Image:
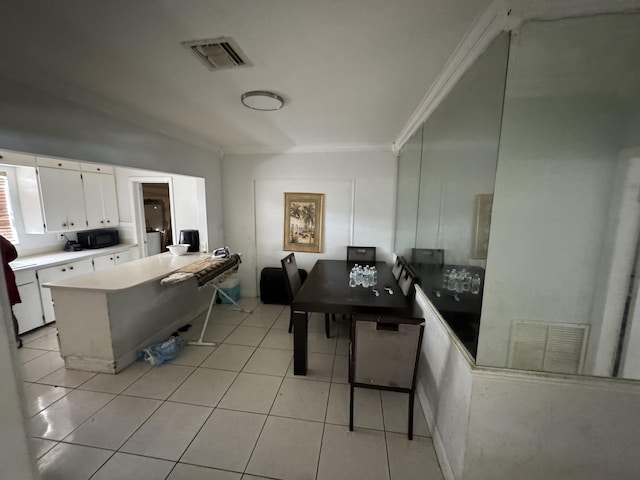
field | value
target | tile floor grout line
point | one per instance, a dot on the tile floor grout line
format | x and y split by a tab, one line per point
213	409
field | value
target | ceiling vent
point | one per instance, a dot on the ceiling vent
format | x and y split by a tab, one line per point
218	53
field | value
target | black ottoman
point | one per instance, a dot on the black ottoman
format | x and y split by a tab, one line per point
272	285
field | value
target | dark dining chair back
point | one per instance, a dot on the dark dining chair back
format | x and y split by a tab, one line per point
407	281
292	276
361	254
427	256
398	266
293	283
384	355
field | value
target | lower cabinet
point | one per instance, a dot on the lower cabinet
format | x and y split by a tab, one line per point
29	311
59	272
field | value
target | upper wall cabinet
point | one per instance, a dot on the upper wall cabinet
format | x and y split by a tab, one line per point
55	197
99	186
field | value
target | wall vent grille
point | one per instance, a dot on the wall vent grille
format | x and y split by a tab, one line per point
218	53
547	347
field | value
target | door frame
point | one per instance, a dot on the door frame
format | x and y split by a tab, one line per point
137	210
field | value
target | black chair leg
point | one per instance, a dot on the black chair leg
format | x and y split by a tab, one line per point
410	428
351	407
327	324
291	320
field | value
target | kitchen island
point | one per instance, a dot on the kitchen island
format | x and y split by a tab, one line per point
104	318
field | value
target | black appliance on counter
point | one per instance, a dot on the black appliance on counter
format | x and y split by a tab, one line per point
98	238
192	237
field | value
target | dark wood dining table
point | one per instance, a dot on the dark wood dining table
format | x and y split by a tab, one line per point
327	290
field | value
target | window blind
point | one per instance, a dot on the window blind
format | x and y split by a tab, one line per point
7	225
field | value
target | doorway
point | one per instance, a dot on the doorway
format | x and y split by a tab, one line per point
157	217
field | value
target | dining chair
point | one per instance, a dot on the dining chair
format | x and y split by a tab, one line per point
383	354
427	256
398	266
293	284
407	281
361	254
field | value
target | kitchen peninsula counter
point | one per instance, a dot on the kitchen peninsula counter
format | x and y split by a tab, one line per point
130	274
105	318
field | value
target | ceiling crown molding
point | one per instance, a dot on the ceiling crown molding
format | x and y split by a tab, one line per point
494	19
499	16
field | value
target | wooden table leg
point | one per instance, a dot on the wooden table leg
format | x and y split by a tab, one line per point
300	343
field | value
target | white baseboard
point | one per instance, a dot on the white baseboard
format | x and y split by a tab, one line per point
441	452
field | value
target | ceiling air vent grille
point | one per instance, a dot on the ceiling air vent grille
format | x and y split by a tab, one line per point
218	53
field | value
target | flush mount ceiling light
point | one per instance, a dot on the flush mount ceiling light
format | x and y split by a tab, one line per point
261	100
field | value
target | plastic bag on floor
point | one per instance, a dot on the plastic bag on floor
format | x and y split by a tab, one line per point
160	352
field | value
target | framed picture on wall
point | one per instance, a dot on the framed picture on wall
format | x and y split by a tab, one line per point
303	214
484	203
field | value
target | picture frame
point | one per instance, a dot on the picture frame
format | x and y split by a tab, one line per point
484	204
303	222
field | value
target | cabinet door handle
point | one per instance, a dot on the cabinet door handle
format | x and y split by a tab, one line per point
118	257
64	224
98	169
72	224
64	269
111	258
59	164
70	268
101	221
108	221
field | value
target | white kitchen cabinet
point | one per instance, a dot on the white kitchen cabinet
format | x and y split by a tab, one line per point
100	199
59	272
51	196
16	158
62	199
104	262
29	311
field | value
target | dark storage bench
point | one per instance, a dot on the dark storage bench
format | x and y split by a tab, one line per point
272	286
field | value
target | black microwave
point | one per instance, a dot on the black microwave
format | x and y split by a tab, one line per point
98	238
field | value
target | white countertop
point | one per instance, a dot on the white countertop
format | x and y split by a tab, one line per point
129	274
60	257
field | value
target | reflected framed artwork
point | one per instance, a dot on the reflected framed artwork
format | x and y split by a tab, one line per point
484	204
303	214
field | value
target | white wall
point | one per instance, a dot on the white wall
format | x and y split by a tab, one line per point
494	424
371	173
444	388
35	121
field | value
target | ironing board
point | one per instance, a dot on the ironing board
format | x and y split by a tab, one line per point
208	272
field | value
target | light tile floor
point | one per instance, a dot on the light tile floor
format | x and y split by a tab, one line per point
234	411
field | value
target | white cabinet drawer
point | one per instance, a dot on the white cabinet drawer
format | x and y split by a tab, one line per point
58	163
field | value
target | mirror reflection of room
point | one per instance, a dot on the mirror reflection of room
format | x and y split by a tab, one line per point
157	216
564	222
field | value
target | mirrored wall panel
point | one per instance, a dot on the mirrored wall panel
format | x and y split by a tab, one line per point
445	186
559	293
559	289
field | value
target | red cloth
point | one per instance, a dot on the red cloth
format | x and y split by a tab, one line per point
9	254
